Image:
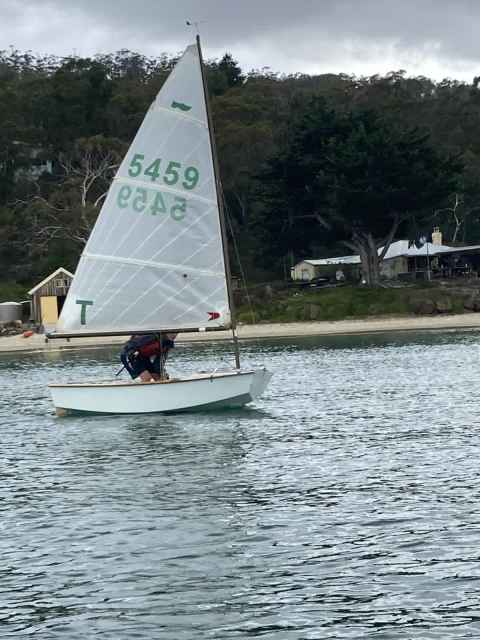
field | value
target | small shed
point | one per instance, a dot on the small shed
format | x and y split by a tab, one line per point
310	269
49	295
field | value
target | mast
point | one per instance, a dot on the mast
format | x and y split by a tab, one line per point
221	209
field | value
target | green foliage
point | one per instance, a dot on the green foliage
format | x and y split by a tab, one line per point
12	292
344	303
357	174
223	75
325	149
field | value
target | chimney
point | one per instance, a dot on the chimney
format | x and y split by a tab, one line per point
436	236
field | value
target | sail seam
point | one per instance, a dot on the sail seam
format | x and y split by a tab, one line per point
118	174
153	185
149	263
177	114
173	293
219	289
105	303
201	301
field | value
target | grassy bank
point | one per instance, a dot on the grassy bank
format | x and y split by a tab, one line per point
279	304
350	302
12	292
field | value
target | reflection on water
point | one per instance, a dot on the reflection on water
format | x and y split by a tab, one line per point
344	504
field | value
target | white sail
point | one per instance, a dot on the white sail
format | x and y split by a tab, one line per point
154	259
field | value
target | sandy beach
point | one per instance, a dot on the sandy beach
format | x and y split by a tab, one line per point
466	321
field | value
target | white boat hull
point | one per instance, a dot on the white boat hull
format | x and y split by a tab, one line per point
202	391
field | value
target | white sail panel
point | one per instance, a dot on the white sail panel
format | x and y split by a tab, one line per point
155	259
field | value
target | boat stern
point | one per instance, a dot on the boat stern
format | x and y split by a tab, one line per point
259	383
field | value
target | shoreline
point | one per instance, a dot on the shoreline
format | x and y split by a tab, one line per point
461	322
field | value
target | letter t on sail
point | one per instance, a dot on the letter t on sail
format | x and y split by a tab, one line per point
83	310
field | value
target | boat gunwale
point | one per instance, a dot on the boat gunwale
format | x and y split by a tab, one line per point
206	376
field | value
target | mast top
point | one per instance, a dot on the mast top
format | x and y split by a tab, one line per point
191	23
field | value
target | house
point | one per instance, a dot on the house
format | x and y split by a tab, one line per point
49	295
402	260
406	261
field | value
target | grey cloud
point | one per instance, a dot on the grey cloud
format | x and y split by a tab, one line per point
298	35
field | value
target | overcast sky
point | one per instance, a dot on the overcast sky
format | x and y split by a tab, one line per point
436	38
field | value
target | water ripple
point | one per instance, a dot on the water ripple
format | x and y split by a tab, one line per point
343	505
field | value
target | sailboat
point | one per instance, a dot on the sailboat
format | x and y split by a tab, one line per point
157	258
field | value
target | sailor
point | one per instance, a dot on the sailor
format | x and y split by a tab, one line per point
144	356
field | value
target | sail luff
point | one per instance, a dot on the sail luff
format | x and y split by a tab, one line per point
221	209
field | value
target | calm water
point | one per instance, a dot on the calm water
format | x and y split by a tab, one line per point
346	504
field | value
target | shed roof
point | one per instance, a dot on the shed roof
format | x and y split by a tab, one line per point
340	260
398	249
403	248
435	250
48	278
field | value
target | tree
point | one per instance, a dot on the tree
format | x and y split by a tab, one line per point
47	103
361	178
67	207
223	75
229	67
459	216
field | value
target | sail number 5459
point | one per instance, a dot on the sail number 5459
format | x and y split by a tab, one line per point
173	173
